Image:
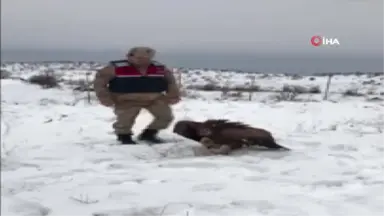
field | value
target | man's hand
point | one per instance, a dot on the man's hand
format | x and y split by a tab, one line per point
174	100
107	103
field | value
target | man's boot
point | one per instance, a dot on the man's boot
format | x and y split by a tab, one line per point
126	139
150	135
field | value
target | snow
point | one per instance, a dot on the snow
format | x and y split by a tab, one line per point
59	157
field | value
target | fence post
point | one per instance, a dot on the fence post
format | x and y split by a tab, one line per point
327	87
250	95
88	87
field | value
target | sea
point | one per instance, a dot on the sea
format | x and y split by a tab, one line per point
248	62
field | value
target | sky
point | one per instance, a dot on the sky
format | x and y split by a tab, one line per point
192	25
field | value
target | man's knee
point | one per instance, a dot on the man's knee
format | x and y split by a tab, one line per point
163	117
164	120
167	117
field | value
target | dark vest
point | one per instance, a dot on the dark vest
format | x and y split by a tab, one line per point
129	80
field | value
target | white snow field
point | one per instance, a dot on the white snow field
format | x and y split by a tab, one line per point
61	158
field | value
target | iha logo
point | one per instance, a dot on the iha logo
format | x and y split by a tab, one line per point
320	40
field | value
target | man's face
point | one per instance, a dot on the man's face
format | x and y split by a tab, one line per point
141	57
140	60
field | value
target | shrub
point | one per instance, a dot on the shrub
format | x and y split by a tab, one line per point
374	99
44	80
254	88
352	92
231	95
285	96
296	77
301	89
314	90
206	87
295	88
5	74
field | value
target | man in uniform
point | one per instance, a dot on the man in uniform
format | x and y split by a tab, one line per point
132	84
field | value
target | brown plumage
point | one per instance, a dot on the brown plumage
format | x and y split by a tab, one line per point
222	132
188	129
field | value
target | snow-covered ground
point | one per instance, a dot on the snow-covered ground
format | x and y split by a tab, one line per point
60	158
367	84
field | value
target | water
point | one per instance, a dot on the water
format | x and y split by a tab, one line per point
300	64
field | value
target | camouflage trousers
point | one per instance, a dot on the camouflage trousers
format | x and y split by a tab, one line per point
127	113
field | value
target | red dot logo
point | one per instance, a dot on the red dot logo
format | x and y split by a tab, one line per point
316	40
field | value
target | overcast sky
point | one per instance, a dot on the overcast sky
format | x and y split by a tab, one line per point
274	25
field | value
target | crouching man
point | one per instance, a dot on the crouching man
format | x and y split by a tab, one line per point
135	83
